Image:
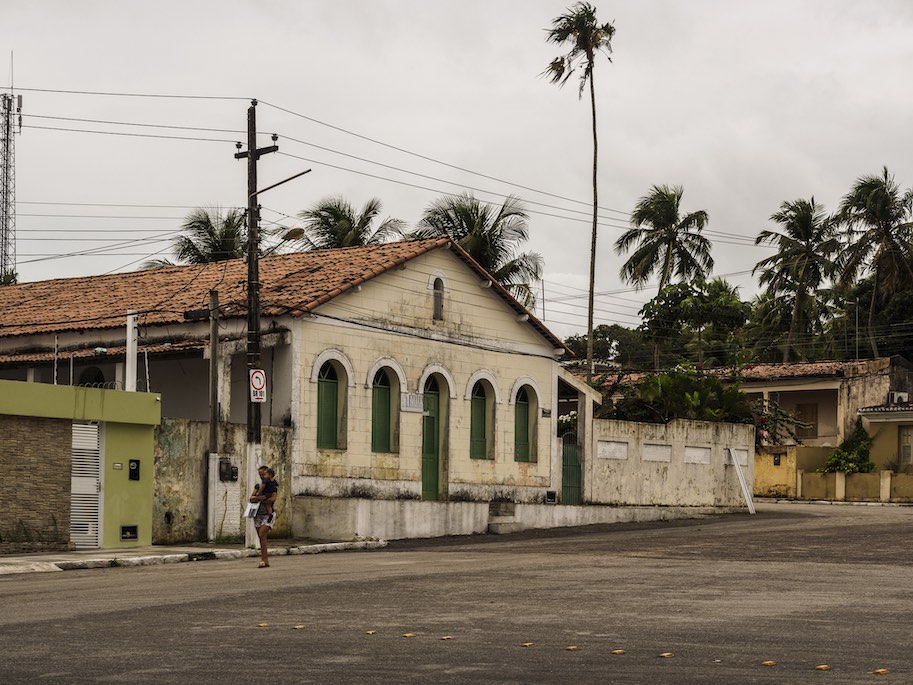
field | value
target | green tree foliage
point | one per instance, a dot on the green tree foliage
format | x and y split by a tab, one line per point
877	217
614	344
491	234
334	222
207	236
664	242
662	319
579	30
685	393
715	315
852	455
703	318
806	245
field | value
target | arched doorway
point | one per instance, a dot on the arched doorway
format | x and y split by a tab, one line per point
431	440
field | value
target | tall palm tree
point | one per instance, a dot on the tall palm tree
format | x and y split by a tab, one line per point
333	222
491	235
208	236
665	241
580	29
877	216
804	258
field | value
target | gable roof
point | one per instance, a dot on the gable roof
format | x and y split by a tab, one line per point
291	284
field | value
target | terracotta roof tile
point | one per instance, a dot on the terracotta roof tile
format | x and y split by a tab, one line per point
766	372
293	284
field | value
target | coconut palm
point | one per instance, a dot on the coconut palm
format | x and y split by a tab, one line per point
334	222
804	258
580	29
207	236
877	216
664	241
491	235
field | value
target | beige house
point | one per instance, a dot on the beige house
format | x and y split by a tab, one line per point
828	395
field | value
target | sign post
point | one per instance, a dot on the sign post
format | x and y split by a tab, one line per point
257	385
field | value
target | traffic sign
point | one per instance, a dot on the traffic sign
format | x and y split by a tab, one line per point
257	385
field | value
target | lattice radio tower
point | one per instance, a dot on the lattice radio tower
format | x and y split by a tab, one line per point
10	124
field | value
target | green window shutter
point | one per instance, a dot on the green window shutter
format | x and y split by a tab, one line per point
380	413
327	408
477	428
521	428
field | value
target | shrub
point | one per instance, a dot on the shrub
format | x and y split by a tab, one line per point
852	455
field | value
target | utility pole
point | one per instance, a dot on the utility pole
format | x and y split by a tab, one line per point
10	109
253	291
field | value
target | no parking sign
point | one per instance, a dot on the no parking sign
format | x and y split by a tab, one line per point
257	385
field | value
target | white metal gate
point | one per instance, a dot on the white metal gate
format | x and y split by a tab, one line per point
85	487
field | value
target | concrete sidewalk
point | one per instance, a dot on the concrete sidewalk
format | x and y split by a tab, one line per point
165	554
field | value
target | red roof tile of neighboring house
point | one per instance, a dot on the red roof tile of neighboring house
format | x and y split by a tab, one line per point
293	284
754	373
822	369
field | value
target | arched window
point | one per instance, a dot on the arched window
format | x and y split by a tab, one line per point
481	422
328	407
381	413
522	426
438	299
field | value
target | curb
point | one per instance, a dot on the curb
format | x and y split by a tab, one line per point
156	560
830	502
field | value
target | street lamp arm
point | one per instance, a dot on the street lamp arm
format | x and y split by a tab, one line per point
290	178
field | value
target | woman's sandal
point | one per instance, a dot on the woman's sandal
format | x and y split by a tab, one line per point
264	564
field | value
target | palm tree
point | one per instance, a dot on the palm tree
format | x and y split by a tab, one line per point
491	235
877	216
208	236
804	258
665	241
580	29
333	222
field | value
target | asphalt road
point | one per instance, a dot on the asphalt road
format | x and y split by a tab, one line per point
798	585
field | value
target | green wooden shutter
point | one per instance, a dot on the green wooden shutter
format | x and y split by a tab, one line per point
521	427
327	408
380	413
477	428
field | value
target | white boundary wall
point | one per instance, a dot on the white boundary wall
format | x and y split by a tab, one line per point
683	463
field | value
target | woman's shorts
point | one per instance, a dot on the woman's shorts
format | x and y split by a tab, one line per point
266	520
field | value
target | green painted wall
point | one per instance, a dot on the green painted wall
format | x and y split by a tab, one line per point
128	420
81	404
127	502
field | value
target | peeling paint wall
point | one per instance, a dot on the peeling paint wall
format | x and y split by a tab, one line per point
389	322
679	464
181	448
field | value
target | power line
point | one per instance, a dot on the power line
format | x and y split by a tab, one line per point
432	159
128	135
132	95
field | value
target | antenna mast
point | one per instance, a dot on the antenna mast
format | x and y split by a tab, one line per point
10	121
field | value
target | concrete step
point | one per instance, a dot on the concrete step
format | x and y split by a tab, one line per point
498	525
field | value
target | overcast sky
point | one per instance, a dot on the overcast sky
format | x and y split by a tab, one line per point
745	104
